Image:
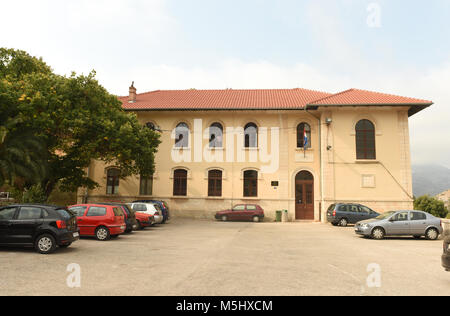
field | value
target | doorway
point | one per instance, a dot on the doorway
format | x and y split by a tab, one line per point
304	196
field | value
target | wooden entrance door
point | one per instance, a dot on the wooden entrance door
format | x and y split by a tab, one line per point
304	196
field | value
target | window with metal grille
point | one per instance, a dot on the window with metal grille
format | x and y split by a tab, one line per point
250	183
365	140
215	183
180	182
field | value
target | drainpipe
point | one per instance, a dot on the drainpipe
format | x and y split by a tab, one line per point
321	162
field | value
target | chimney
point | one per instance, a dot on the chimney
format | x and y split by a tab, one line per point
132	95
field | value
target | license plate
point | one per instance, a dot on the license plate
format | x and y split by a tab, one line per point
76	235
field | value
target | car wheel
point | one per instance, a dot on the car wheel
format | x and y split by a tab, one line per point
432	234
45	244
256	219
102	234
343	222
378	233
224	218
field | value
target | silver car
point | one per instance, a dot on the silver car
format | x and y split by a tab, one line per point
401	223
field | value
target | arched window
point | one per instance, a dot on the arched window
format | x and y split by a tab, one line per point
251	135
365	140
180	182
151	126
215	183
303	135
112	181
216	135
182	136
251	183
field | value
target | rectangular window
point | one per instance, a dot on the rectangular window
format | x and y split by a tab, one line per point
30	213
180	183
146	186
250	183
96	211
215	183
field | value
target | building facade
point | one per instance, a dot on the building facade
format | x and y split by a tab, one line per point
297	150
445	197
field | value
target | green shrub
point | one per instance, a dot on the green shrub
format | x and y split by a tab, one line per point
35	194
431	205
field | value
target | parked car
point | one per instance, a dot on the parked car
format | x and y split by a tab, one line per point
144	220
343	214
446	255
163	205
43	227
99	220
242	212
401	223
130	216
150	209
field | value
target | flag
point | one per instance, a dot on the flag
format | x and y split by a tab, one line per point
305	142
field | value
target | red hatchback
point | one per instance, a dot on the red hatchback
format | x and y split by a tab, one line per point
144	220
102	221
242	212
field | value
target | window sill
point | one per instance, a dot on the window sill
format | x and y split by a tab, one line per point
250	148
302	149
367	161
214	198
181	148
216	148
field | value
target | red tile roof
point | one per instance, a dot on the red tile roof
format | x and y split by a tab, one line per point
363	97
223	99
289	99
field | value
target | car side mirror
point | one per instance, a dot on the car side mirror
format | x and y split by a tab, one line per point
391	220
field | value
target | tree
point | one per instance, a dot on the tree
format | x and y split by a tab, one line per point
19	154
431	205
76	119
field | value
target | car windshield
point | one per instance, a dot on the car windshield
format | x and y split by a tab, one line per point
385	215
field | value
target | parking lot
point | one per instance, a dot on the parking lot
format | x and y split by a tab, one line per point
189	257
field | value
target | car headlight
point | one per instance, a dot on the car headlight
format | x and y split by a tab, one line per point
365	226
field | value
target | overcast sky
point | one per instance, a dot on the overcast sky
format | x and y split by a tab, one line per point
392	46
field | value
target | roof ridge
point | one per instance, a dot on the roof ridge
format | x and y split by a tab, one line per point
223	90
332	96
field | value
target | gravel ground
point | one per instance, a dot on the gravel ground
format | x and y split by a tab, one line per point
188	257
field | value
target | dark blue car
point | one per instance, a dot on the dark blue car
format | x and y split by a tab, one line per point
343	214
163	205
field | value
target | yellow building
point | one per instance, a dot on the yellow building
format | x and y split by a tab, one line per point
297	150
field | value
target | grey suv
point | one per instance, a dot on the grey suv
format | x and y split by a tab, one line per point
343	214
401	223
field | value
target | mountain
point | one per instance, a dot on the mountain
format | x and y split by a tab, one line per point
430	179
